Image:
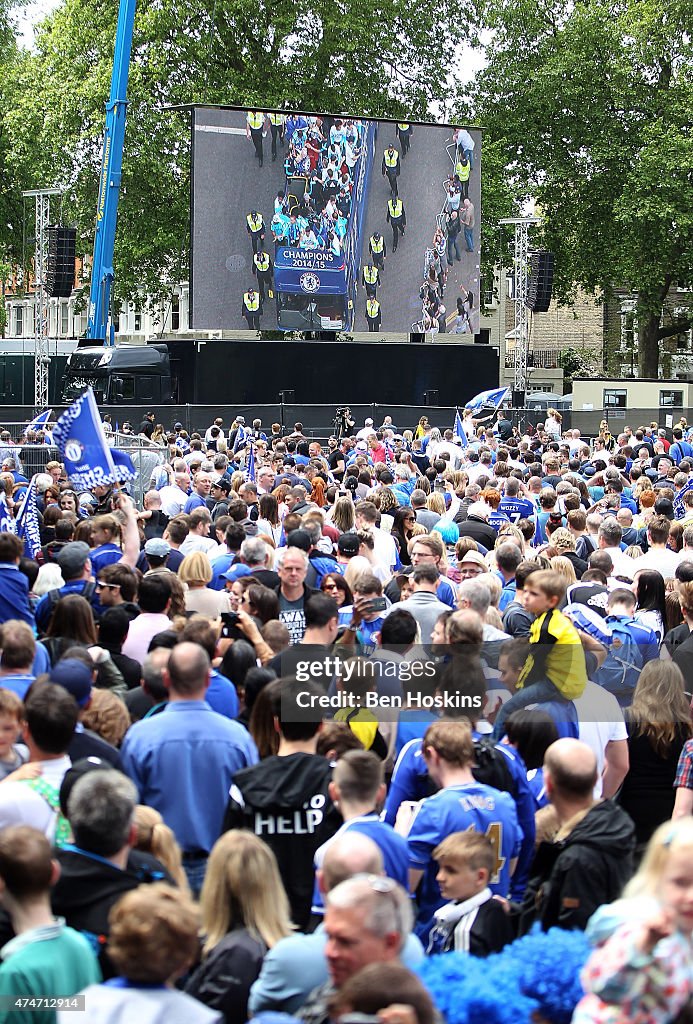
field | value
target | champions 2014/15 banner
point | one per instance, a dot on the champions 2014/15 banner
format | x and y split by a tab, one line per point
80	438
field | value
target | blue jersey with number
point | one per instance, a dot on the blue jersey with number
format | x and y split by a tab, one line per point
459	808
410	781
517	508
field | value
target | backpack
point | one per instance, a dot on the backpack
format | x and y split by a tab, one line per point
324	566
55	595
50	795
620	671
491	767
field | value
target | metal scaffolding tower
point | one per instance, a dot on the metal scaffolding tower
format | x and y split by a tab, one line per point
41	357
520	331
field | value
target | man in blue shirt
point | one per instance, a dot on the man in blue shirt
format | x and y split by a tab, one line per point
462	803
358	790
183	760
201	489
512	505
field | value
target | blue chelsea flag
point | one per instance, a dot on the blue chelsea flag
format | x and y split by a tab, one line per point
487	398
80	438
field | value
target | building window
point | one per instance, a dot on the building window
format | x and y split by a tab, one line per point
671	399
175	313
137	321
615	398
64	319
18	321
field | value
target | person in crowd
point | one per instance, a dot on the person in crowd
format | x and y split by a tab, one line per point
245	912
659	724
295	783
198	747
591	856
45	956
641	962
153	942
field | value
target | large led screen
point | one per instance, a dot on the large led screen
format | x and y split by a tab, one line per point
333	223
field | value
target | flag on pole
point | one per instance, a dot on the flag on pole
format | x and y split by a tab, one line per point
80	439
124	466
487	398
39	422
250	472
26	525
7	524
458	430
240	438
679	507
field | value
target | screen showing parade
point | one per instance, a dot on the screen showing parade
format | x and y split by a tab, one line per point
333	223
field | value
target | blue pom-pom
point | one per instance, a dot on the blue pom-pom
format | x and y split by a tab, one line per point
539	973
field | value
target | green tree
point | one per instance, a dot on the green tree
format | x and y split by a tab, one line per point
592	101
318	55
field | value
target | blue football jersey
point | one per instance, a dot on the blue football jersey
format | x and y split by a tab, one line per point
392	845
517	508
459	808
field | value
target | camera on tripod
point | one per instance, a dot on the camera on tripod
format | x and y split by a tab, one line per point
343	421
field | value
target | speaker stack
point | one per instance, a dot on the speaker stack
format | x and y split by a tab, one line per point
540	283
60	272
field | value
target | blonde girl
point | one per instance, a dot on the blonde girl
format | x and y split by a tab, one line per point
640	971
245	912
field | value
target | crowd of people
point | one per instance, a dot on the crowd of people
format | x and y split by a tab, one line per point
457	219
318	729
312	209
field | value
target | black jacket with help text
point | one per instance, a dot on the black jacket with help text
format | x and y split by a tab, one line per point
284	801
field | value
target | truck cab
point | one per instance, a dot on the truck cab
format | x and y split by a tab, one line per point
125	375
311	290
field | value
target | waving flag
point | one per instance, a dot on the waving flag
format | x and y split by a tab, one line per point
679	507
240	438
80	439
458	430
26	525
487	398
124	466
250	472
39	422
7	524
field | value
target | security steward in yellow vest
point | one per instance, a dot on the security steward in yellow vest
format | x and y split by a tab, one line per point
397	218
391	168
255	226
262	268
404	134
276	123
251	308
462	171
370	278
255	120
376	247
372	314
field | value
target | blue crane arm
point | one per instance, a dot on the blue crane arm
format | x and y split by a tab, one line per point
98	328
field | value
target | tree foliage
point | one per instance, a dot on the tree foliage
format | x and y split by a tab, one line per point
336	55
591	102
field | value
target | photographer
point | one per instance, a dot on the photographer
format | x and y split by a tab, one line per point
343	421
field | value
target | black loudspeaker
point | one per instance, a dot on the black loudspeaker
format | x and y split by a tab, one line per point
483	337
286	397
60	271
518	399
431	397
540	283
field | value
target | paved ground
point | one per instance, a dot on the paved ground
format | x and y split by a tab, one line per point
228	183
